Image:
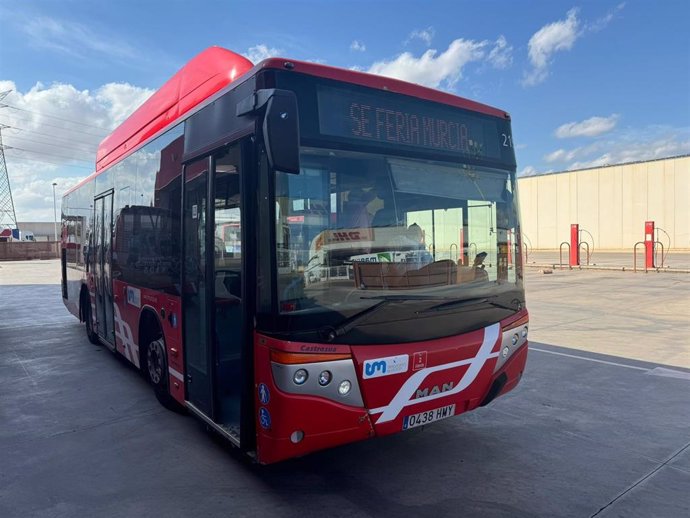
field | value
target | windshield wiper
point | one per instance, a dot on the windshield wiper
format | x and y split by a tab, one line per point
331	333
475	301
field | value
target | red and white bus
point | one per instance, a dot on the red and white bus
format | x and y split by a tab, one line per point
303	256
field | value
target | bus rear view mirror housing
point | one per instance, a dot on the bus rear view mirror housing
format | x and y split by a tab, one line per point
280	126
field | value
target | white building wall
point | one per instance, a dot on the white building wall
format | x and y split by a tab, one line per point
612	203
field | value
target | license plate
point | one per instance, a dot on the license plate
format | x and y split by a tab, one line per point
412	421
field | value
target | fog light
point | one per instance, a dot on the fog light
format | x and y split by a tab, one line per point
297	436
325	378
505	352
515	339
524	332
344	387
300	376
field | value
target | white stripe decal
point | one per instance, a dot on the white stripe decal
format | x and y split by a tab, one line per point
124	333
175	374
402	398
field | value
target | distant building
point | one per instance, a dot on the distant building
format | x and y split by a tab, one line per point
41	230
611	203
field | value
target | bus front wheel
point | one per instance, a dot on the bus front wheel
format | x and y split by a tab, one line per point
157	374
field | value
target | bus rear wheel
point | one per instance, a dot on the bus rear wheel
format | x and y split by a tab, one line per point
88	322
156	370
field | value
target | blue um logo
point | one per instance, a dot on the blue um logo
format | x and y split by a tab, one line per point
372	368
378	367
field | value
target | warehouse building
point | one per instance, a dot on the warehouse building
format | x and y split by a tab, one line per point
41	230
610	203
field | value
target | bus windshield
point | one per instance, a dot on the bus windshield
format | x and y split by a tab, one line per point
355	228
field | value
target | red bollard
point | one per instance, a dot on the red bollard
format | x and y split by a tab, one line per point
649	244
574	244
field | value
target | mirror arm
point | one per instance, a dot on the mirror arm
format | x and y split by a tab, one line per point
255	102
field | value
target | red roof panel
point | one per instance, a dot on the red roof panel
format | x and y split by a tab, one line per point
204	75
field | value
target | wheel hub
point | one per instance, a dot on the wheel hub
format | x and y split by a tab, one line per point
155	361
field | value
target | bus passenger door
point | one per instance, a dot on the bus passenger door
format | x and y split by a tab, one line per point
103	234
195	288
212	288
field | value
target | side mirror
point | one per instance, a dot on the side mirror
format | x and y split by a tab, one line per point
281	132
280	126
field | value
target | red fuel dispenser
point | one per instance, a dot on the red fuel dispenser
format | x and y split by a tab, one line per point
574	244
649	240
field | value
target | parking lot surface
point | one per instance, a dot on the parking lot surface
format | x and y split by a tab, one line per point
599	426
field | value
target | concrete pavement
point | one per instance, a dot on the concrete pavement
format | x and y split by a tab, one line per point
598	426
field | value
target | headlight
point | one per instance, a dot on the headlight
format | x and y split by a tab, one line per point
300	376
325	378
515	339
344	387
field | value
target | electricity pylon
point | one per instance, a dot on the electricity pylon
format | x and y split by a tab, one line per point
8	218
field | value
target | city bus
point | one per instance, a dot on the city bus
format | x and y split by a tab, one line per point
302	256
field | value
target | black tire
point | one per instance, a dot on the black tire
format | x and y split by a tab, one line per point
156	371
88	322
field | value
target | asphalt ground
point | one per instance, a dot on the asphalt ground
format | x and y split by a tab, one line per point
599	426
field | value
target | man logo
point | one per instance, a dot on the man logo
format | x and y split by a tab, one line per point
371	368
421	393
385	366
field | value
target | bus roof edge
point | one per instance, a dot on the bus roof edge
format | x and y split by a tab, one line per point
205	74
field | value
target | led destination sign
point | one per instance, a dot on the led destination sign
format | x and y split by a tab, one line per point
401	121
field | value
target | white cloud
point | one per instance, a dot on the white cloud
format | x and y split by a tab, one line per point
431	68
648	143
591	127
426	35
119	98
528	171
554	37
602	23
556	156
563	155
558	37
644	149
358	46
33	193
501	56
54	133
260	52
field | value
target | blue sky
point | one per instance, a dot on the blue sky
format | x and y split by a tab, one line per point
587	83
